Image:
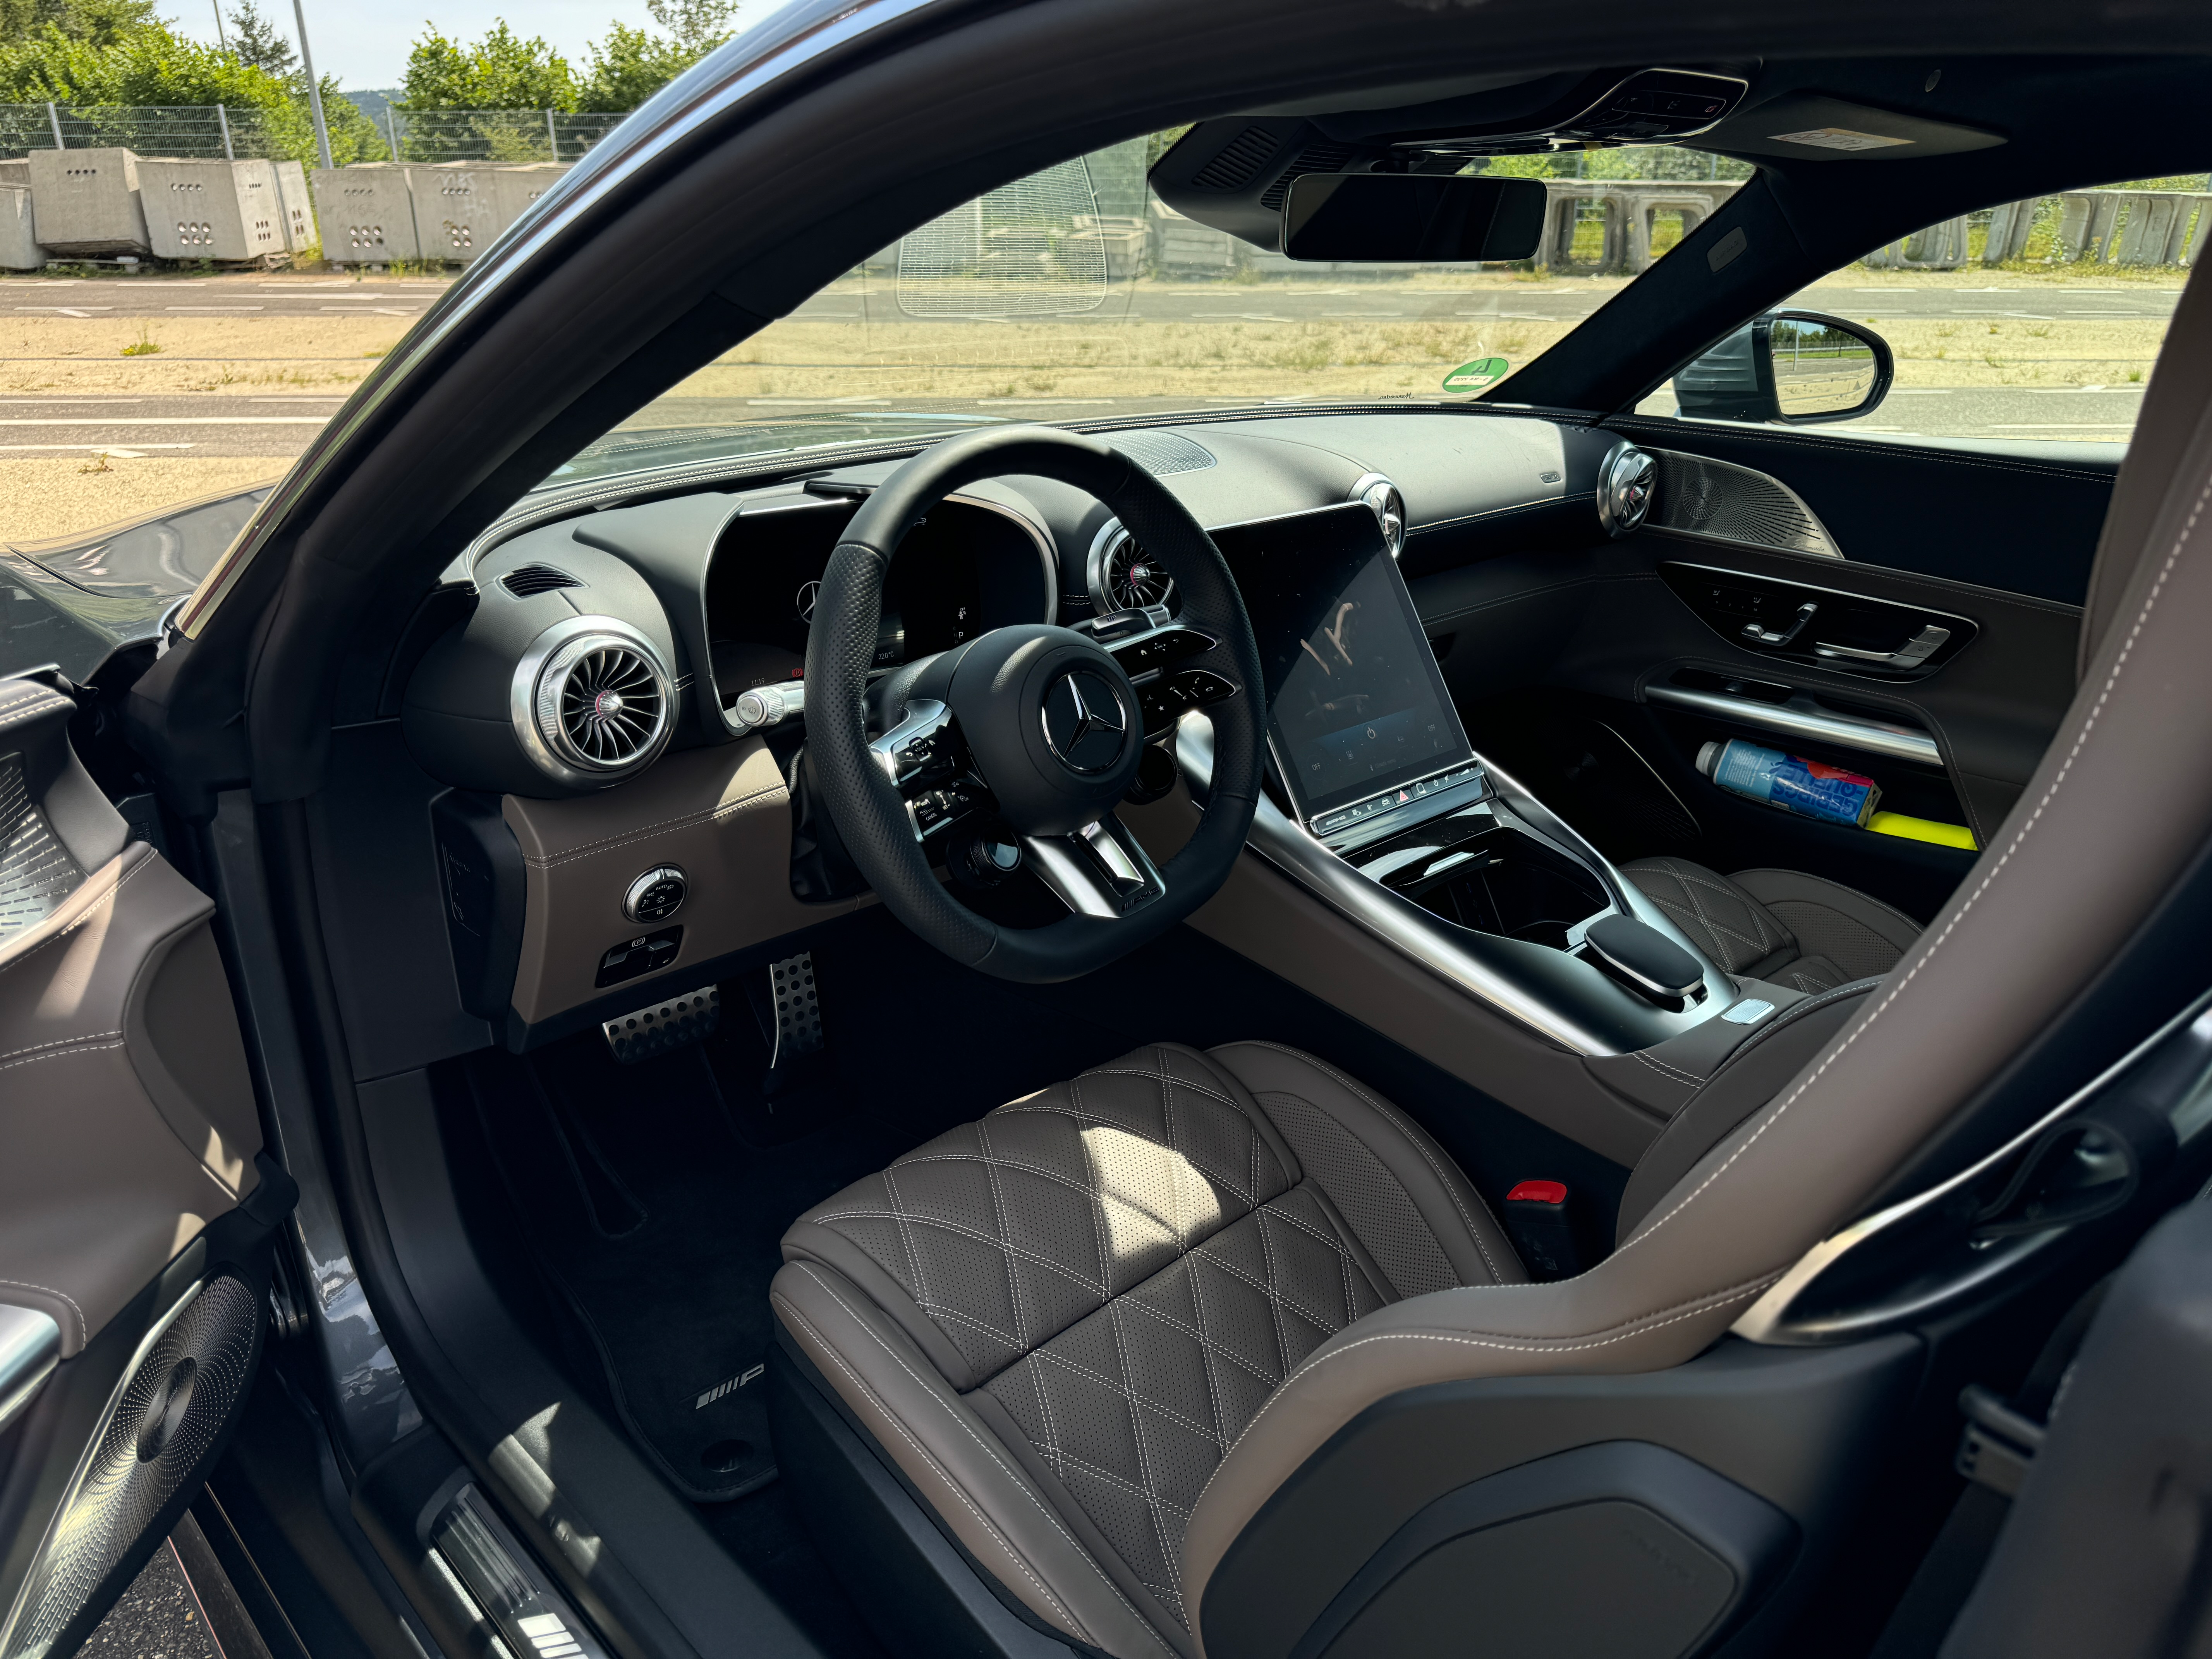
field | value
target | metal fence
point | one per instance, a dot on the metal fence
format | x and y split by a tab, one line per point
493	134
194	132
244	132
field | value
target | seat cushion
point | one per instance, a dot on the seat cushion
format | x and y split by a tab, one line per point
1058	1319
1780	926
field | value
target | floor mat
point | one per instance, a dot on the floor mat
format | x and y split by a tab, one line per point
655	1194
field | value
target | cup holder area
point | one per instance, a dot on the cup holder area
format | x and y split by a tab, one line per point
1490	878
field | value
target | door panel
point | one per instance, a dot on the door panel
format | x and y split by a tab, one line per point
1597	677
2018	517
133	1213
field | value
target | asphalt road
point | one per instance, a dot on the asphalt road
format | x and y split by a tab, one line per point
209	424
214	296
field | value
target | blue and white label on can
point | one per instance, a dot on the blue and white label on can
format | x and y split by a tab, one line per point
1807	787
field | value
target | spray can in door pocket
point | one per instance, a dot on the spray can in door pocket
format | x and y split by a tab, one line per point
1807	787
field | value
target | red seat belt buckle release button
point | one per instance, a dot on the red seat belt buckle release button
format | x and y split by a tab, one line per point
1538	1192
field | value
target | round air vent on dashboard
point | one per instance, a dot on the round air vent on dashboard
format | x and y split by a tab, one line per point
1387	503
592	701
1625	480
1119	574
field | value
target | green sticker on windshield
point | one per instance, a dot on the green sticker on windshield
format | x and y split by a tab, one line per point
1472	377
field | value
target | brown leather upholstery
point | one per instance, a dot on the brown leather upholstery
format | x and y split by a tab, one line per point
1058	1319
1780	925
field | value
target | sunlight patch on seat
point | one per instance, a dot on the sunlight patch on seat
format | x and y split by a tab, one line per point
1152	1198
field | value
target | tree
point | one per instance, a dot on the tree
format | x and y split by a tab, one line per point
100	22
501	72
259	43
631	65
151	66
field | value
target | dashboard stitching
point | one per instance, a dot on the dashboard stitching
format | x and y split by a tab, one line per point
709	815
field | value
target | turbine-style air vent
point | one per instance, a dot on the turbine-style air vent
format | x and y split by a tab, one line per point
1121	575
526	581
593	702
610	707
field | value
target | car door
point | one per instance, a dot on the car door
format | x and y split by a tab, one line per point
136	1208
1897	594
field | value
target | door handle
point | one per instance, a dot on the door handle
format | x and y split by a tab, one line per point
1913	652
1758	636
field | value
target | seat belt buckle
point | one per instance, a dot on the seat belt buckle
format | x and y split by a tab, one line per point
1999	1445
1541	1220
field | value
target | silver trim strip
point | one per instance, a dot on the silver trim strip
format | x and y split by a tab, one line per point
1451	952
1100	870
30	1348
1801	717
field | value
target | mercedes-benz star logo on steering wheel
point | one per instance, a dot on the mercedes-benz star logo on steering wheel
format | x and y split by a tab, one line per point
803	602
1084	722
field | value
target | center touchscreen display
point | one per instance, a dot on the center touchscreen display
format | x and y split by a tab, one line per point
1356	704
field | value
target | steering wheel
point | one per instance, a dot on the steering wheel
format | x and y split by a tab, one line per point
1040	724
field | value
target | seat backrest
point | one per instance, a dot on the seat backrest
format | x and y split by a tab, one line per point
2119	809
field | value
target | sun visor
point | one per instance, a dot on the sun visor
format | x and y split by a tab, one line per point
1809	127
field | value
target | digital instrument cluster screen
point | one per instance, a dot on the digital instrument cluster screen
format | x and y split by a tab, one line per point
1356	703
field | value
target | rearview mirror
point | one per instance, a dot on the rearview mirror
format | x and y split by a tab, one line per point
1797	368
1411	216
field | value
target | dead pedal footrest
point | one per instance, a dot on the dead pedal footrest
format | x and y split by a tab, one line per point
660	1026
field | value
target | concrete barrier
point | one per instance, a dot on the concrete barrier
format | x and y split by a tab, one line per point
19	240
514	188
457	212
88	203
229	211
300	233
1627	210
367	214
1942	246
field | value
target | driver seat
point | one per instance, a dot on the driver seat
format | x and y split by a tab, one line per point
1056	1320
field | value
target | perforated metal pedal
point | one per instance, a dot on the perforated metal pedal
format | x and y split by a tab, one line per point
797	1009
661	1026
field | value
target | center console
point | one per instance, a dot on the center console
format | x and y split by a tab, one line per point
1387	813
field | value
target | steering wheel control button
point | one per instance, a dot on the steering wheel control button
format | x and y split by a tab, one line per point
634	958
657	895
1156	650
1165	701
660	1026
1086	724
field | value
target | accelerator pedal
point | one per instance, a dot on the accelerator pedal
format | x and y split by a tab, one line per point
661	1026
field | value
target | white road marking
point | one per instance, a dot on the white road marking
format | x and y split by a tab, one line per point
68	311
93	449
173	420
223	308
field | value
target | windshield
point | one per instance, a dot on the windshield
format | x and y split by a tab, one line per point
1077	293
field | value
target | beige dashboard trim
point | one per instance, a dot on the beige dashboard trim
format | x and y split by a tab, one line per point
722	813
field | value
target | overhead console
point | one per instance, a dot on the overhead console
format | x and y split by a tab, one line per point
1236	173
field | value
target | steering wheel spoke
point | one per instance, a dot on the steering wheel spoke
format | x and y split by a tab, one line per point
1159	661
926	761
1100	870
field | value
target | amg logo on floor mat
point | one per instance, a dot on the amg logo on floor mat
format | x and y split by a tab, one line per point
730	1387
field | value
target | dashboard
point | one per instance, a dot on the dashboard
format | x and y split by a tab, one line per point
623	703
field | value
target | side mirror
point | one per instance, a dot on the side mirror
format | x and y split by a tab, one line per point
1797	368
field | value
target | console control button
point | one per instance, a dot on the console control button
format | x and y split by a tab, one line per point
657	895
634	958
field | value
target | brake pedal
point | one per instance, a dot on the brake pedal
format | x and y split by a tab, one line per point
661	1026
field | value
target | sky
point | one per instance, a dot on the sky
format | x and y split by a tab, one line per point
364	42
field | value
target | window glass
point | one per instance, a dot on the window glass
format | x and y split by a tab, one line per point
1078	294
2036	321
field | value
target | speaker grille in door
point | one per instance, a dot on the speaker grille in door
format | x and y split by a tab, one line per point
174	1401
